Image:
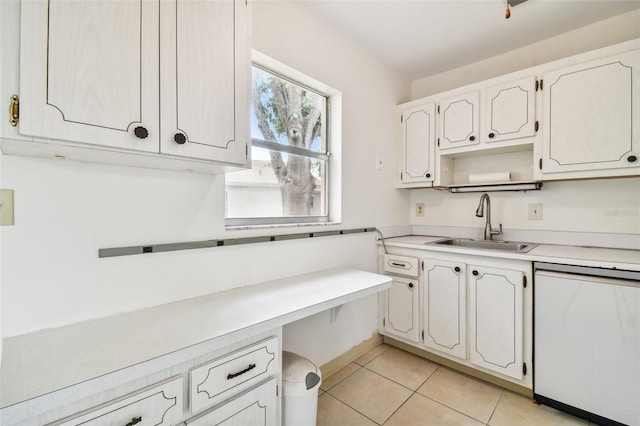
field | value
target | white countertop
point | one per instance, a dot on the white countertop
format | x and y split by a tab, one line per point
37	363
571	255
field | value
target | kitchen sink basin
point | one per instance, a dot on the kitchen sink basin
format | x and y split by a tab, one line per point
509	246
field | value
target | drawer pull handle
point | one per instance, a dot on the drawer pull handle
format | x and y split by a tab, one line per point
249	368
401	265
134	421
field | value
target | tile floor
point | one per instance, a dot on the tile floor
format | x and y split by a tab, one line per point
390	387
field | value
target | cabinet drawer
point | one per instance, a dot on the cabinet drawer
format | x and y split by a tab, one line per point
160	404
401	265
257	407
219	379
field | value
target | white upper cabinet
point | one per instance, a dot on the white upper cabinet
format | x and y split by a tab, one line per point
164	77
205	72
89	72
459	121
418	137
591	119
510	111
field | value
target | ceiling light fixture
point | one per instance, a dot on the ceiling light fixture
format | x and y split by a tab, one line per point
511	3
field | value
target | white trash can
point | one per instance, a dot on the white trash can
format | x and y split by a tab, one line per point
301	380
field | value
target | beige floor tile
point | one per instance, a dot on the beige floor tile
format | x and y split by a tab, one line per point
338	376
407	369
515	409
462	393
332	412
371	394
422	411
371	354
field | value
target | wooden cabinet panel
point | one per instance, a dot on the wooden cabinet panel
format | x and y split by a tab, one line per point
89	72
154	406
444	307
258	407
401	310
510	110
205	84
495	319
590	118
213	381
459	121
418	144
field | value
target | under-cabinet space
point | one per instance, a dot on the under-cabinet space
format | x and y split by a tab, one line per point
457	169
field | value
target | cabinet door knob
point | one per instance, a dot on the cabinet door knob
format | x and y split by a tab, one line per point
457	269
410	285
632	159
428	175
475	273
472	138
492	135
179	138
134	421
141	132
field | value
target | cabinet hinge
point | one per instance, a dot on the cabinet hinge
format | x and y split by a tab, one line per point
524	281
402	118
423	265
540	164
438	109
423	335
277	390
401	176
537	125
540	84
384	322
537	85
524	368
438	142
14	110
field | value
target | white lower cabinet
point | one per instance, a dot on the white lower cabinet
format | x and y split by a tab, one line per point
233	373
444	307
473	310
495	319
160	404
257	407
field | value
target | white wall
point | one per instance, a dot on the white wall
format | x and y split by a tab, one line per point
599	206
600	34
66	211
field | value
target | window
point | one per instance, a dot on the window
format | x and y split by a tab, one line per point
291	162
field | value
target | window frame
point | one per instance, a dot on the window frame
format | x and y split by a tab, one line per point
333	102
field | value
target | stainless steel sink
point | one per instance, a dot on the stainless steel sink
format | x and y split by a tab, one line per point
488	245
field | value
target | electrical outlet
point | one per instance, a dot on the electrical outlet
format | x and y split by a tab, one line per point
420	209
535	211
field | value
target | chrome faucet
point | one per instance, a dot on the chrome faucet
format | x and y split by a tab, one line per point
489	232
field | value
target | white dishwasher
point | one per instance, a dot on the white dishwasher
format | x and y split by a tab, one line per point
587	342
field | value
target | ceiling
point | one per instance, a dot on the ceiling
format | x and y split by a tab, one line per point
427	37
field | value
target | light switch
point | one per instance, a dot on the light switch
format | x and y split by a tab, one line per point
6	207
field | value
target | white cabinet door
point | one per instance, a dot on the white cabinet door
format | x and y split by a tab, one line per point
206	84
510	111
495	319
89	72
459	121
444	307
157	405
401	310
257	407
591	119
418	143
